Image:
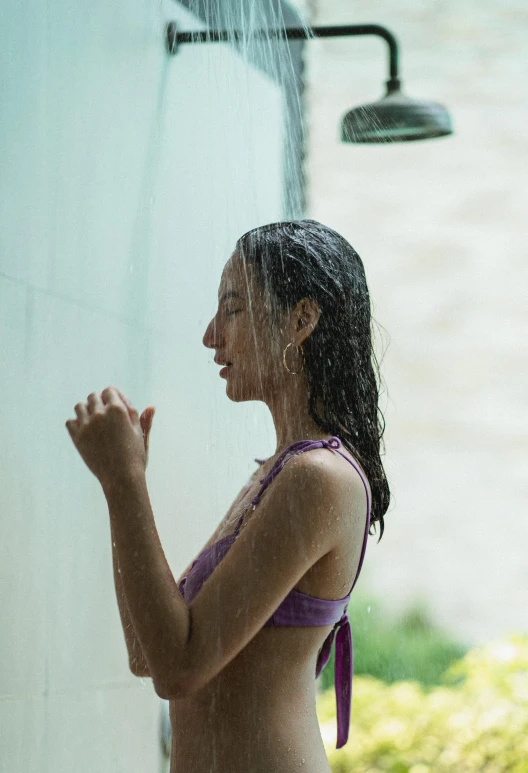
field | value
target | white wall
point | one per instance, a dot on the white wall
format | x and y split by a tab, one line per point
441	228
126	177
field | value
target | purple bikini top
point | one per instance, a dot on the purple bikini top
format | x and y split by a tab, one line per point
298	608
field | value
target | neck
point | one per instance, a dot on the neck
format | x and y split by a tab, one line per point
291	417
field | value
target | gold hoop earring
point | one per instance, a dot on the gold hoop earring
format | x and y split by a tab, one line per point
294	373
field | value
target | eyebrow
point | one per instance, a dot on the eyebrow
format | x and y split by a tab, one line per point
231	294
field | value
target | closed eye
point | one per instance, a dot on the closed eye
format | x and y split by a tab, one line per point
229	313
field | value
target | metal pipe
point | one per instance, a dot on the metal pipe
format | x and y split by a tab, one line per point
174	39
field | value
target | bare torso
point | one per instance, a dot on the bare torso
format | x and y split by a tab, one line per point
258	715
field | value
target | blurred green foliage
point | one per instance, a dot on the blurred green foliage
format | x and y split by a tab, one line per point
407	648
475	721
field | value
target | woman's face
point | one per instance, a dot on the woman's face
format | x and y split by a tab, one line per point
240	334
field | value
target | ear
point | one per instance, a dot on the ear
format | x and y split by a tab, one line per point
308	312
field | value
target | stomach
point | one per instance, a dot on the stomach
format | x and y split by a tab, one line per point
258	715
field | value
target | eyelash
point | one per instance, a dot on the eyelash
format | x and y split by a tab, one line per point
229	313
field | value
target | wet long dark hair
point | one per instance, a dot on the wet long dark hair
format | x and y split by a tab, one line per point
297	259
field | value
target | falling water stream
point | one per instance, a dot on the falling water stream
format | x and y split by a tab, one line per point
227	744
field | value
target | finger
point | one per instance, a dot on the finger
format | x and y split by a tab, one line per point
146	426
146	418
123	397
72	425
82	412
112	397
132	411
150	420
95	402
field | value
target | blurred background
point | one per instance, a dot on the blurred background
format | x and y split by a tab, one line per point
127	176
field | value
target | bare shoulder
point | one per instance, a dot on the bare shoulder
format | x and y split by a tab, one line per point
353	471
335	469
325	486
344	486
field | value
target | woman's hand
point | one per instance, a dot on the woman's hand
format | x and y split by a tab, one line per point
110	437
146	420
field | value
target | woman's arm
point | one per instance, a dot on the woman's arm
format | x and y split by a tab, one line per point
136	659
137	663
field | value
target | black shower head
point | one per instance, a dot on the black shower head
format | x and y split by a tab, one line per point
396	118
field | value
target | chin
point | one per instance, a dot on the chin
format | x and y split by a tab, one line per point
239	394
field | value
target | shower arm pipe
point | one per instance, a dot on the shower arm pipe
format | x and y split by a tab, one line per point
175	38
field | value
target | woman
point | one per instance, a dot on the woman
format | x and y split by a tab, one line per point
235	644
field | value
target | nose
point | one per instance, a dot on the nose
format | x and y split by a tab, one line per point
208	339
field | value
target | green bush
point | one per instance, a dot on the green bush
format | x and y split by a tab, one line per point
410	648
475	722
